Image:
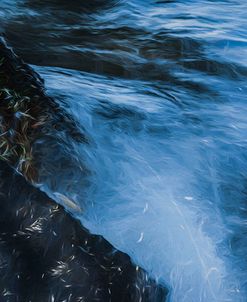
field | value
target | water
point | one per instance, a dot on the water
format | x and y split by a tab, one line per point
159	87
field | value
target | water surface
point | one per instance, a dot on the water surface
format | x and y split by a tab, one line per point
159	87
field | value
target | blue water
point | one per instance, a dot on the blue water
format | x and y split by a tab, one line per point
160	88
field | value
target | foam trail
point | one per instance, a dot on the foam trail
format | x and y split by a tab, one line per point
184	257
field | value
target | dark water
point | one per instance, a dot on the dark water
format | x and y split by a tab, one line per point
159	88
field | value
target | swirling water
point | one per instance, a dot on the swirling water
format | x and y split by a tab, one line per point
160	89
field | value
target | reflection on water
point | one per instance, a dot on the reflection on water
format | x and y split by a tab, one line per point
160	87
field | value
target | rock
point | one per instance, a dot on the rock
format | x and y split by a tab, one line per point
46	255
28	115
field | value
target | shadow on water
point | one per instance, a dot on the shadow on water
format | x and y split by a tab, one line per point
76	40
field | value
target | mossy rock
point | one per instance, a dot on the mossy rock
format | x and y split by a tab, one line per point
27	113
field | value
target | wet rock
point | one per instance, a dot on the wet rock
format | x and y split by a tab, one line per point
46	255
28	115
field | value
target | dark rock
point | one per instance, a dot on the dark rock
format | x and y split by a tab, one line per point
46	255
28	115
